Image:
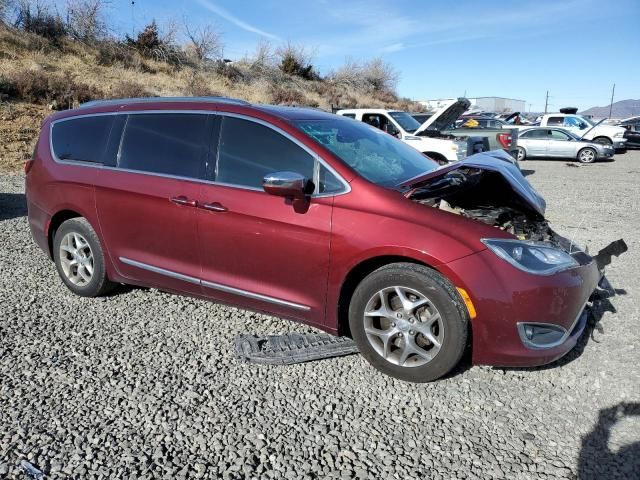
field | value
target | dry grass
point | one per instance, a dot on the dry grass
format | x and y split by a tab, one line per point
111	70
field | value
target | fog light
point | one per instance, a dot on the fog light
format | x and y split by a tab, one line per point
541	335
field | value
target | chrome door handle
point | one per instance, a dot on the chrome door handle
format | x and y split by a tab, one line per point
182	200
214	207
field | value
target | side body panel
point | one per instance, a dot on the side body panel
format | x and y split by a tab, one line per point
266	245
140	223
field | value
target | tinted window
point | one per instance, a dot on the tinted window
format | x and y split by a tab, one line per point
249	151
349	115
555	121
169	143
82	139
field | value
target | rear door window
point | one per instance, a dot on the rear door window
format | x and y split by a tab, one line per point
535	134
555	121
166	143
82	139
248	151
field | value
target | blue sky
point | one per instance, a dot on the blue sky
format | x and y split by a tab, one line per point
576	48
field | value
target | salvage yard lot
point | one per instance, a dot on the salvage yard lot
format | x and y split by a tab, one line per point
144	384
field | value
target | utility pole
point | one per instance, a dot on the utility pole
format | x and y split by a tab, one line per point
546	102
613	91
133	19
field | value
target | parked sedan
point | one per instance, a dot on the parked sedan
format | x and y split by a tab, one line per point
542	142
312	217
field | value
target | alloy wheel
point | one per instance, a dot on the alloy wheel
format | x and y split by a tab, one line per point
587	155
76	259
403	326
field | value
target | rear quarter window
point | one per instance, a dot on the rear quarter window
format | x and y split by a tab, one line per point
82	139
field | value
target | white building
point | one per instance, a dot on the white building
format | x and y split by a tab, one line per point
486	104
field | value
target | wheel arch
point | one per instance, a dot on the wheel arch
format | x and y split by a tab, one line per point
358	273
56	220
609	139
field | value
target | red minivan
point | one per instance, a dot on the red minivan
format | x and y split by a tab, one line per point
312	217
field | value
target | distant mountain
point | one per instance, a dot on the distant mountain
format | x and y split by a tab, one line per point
621	109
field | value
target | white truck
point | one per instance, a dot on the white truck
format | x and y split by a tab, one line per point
441	148
585	128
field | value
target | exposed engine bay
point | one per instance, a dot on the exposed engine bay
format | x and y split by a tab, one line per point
486	196
490	188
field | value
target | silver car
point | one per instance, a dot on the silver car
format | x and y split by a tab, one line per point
545	142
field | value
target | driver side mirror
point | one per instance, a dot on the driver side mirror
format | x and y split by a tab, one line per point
287	184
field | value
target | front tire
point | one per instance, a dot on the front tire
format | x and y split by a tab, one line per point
587	155
79	258
409	322
521	155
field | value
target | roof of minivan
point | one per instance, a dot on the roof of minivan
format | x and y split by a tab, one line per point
282	112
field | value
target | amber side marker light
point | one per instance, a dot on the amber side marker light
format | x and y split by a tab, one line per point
467	301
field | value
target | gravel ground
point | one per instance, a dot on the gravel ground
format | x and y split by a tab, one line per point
144	384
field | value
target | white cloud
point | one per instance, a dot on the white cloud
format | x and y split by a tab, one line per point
394	47
235	20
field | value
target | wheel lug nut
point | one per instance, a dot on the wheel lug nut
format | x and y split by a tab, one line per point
393	324
411	332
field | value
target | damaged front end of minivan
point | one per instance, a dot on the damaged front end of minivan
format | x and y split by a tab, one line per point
490	188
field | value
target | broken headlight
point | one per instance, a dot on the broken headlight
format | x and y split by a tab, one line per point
531	257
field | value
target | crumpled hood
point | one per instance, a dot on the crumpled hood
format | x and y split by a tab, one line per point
495	161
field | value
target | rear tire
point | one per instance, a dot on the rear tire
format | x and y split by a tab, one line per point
521	155
587	155
409	322
79	258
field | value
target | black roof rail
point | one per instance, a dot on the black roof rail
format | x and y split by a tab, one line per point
128	101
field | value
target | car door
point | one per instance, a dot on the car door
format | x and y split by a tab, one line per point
560	145
535	142
146	202
261	251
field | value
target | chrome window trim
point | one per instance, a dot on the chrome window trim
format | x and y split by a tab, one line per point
213	285
346	185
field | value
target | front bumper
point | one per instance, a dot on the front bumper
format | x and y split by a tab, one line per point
620	143
504	297
607	152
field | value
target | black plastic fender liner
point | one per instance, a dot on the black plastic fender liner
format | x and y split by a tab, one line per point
292	348
614	249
